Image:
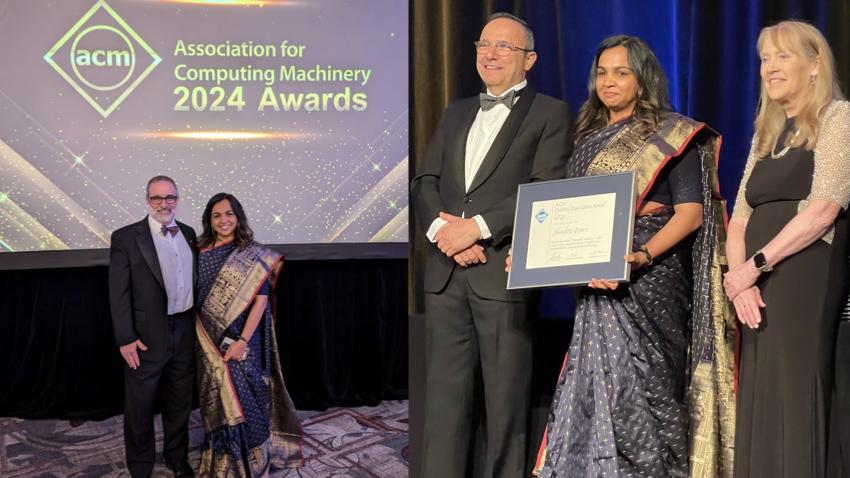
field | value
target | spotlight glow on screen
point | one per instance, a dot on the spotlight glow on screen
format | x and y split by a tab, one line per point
298	108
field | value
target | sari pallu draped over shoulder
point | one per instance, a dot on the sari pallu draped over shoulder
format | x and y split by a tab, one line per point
232	293
709	394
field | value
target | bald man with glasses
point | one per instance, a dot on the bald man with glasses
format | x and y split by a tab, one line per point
465	193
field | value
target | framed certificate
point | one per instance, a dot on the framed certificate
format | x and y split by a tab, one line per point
572	230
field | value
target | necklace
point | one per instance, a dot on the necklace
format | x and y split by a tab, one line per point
784	150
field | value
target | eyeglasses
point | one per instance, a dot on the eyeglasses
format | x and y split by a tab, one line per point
503	48
158	199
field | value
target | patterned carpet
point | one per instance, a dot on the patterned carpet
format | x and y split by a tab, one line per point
340	442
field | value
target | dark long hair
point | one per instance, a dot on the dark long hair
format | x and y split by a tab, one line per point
244	235
653	94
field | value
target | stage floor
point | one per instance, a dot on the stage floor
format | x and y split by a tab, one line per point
344	442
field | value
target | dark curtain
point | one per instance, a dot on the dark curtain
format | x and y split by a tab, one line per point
341	327
707	48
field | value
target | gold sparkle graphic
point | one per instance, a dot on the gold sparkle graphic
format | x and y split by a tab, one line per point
220	135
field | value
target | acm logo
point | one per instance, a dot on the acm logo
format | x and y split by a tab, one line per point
102	58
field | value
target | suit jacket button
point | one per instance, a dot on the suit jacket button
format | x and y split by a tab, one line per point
467	200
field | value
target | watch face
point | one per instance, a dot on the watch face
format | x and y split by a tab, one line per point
759	260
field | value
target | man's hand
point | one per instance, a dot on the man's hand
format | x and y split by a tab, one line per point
468	257
131	354
458	234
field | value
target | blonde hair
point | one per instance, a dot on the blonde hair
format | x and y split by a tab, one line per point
806	41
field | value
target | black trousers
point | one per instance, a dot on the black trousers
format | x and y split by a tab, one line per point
174	378
465	334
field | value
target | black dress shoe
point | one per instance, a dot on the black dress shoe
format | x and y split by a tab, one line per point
181	470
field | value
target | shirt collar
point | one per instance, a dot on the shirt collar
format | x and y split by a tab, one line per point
522	84
156	226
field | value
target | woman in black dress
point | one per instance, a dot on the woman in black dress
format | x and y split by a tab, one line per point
787	252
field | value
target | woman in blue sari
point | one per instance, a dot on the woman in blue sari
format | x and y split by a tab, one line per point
249	420
646	390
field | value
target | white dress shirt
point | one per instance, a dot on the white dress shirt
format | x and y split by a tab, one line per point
483	132
175	263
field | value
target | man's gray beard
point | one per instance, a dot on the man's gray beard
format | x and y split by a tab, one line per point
158	214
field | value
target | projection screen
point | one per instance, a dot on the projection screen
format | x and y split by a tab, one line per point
298	108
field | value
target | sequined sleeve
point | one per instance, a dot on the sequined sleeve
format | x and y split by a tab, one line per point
831	181
742	209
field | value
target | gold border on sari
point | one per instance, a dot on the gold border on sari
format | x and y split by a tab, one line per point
218	400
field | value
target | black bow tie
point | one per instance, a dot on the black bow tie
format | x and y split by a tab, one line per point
172	229
488	102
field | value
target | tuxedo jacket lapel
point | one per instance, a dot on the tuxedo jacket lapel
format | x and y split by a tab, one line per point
148	250
458	149
190	239
504	138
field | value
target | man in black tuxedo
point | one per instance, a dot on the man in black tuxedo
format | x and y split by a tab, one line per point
466	194
151	294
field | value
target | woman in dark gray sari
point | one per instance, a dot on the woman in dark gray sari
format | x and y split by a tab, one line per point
646	389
